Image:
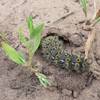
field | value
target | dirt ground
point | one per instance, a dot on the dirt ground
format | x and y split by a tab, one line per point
66	18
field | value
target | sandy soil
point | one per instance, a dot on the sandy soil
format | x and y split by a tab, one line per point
66	17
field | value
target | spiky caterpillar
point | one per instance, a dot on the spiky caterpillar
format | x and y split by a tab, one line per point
53	51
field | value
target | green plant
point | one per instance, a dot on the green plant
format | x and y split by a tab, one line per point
96	16
84	4
31	43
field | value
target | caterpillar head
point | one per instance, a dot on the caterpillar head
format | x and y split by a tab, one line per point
51	48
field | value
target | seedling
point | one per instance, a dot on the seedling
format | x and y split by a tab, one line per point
31	43
96	16
84	4
94	20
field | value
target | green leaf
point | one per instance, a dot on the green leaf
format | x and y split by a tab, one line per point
38	29
29	44
97	20
13	54
37	37
43	79
30	26
40	75
34	43
21	36
84	4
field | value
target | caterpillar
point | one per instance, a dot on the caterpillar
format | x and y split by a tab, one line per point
54	52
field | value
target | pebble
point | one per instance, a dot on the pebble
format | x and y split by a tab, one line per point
67	92
75	94
76	40
98	61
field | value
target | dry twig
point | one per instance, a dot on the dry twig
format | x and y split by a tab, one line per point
89	43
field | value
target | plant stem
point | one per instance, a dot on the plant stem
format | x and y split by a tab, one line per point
30	59
89	42
29	63
30	68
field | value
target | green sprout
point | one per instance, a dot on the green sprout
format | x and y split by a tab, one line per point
96	15
31	44
84	4
43	79
97	20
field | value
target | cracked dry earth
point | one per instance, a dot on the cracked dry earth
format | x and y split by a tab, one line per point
64	17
